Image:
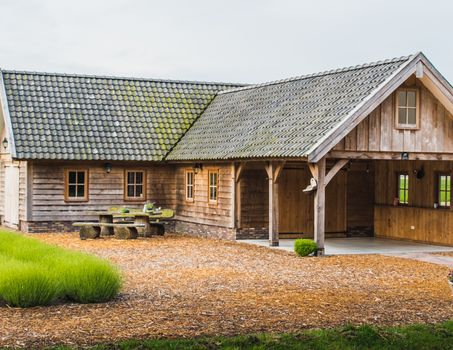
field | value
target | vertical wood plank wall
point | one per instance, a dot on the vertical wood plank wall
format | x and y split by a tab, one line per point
295	207
200	210
377	132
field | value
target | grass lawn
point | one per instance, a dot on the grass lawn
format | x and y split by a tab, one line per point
412	337
190	288
35	273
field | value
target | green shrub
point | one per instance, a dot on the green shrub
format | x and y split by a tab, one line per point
34	273
304	247
26	284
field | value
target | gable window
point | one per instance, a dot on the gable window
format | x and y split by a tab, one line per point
135	185
407	108
403	189
189	185
213	185
443	190
76	185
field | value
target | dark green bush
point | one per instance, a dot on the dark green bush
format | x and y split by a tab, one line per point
304	247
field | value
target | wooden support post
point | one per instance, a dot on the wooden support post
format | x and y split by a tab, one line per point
273	172
319	173
238	168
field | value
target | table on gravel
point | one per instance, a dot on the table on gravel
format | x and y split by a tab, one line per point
138	217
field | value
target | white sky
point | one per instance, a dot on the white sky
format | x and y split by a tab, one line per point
232	40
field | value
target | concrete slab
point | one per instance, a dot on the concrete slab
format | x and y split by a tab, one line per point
361	245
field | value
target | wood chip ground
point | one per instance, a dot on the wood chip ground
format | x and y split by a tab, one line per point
177	286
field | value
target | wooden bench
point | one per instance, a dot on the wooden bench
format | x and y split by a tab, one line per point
121	231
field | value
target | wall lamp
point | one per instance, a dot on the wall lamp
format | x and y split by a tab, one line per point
197	168
5	143
108	168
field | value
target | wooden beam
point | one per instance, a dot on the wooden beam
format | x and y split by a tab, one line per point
419	70
272	170
389	155
238	170
313	169
320	207
332	172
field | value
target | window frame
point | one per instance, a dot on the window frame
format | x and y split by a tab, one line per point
415	126
398	189
213	171
134	199
186	184
437	187
86	196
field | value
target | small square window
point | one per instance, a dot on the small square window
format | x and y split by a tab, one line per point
135	186
76	185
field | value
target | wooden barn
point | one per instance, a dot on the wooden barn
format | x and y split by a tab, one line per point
364	150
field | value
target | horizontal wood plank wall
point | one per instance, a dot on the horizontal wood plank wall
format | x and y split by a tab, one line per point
377	132
429	224
418	224
200	210
105	190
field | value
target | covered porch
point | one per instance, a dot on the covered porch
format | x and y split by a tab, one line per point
348	206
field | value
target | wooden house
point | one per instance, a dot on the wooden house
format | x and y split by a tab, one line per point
359	150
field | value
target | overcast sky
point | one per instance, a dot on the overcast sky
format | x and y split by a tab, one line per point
231	40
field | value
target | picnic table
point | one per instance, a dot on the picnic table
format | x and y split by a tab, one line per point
148	222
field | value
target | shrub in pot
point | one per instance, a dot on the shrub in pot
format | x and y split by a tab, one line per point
304	247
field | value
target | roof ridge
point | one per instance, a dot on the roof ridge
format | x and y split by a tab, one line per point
318	74
94	76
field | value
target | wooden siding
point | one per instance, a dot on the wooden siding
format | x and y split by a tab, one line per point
419	220
105	190
417	224
200	210
23	181
360	197
2	188
295	207
377	132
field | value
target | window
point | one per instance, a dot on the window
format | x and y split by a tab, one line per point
403	189
135	185
443	190
189	185
407	108
213	185
76	185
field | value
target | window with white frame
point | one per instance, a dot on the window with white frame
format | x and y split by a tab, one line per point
190	185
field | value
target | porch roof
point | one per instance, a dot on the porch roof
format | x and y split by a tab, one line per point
284	118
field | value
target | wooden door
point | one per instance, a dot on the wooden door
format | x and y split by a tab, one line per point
11	204
296	207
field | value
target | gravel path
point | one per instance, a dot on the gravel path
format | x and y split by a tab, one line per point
179	286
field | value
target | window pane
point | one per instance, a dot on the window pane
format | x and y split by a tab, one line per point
411	118
139	177
80	191
138	191
411	98
402	98
130	177
80	177
402	113
403	189
72	177
130	190
71	191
